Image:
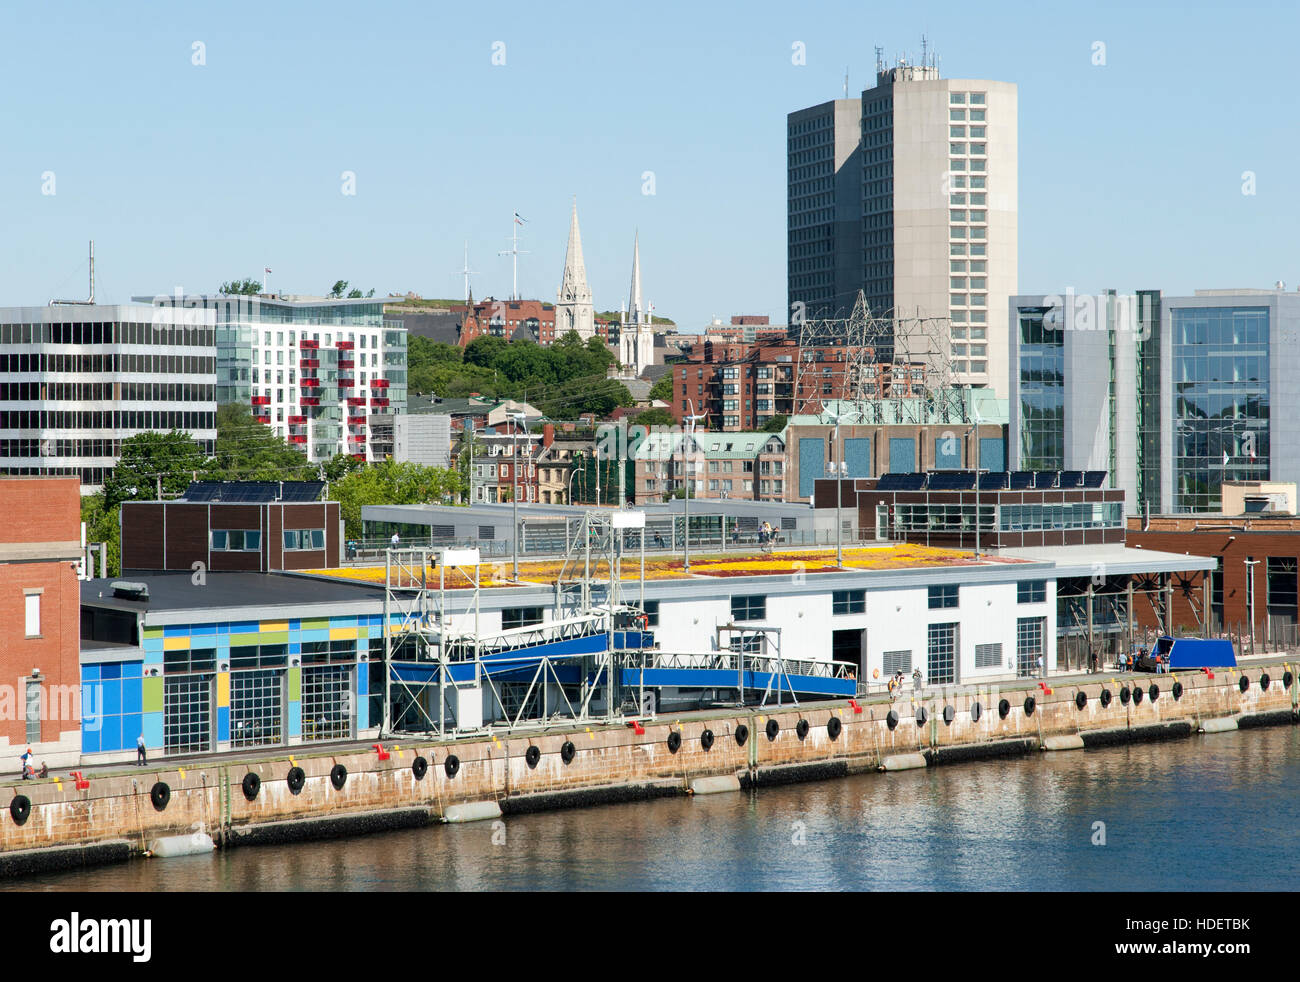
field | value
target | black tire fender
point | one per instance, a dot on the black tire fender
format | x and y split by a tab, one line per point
1177	690
1125	695
949	714
160	795
451	765
1153	692
1287	679
976	711
742	734
801	729
20	809
295	779
419	767
1265	681
1004	708
251	784
772	729
674	741
1080	700
568	751
532	756
1105	698
1030	703
1137	695
338	776
1244	684
833	727
922	716
706	740
892	718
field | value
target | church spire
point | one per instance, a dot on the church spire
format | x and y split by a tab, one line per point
573	287
635	307
574	311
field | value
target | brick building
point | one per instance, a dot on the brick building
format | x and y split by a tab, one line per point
40	543
742	386
517	320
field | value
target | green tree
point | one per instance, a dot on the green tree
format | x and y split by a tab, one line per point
339	288
340	466
245	288
663	388
247	450
391	483
153	462
655	417
102	526
776	424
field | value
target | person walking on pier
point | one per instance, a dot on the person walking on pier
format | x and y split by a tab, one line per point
916	680
140	758
26	765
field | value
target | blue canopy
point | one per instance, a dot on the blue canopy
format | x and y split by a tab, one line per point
1197	652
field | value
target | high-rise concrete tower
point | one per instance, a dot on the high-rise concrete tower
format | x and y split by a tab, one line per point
936	200
636	342
573	309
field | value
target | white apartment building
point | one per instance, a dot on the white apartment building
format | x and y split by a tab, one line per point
313	369
78	379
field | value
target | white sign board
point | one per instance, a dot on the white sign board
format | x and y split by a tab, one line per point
458	557
628	519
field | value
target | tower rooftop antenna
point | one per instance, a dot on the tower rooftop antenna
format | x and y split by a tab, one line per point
466	271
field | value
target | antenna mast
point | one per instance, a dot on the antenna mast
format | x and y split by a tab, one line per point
467	272
514	252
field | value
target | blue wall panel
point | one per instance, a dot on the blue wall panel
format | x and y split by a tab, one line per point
902	455
993	453
857	454
812	463
947	453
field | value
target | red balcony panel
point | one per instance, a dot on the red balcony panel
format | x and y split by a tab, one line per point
309	401
309	363
297	438
347	363
378	401
346	383
263	419
261	400
357	420
345	345
356	400
379	383
358	456
310	383
304	343
297	419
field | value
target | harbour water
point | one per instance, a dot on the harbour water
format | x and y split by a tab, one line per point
1208	813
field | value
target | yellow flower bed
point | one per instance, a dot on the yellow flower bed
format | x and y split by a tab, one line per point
497	574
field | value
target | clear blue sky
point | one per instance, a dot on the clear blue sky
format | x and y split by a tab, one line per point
1130	174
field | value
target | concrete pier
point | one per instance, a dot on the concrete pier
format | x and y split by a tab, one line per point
54	824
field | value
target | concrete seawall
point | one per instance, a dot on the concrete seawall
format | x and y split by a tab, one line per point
54	824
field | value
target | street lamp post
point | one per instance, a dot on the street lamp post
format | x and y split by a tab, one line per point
516	418
688	448
1250	599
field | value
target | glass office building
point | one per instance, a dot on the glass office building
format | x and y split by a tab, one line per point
1220	385
1041	391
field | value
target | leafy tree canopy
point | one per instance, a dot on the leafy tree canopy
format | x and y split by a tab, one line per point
391	483
152	462
663	388
776	424
245	288
247	450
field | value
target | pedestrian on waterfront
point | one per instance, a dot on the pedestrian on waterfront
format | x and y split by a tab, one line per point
140	758
893	686
659	540
1040	666
916	680
394	540
1092	661
45	770
24	758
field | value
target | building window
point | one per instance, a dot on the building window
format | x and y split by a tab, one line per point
1029	645
300	539
849	602
513	617
236	540
1031	591
652	613
33	710
942	597
749	608
988	655
898	661
941	652
32	609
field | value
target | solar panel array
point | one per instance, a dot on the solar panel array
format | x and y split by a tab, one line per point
253	492
1044	479
994	481
301	490
1094	479
1071	479
1022	480
951	481
901	482
202	491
